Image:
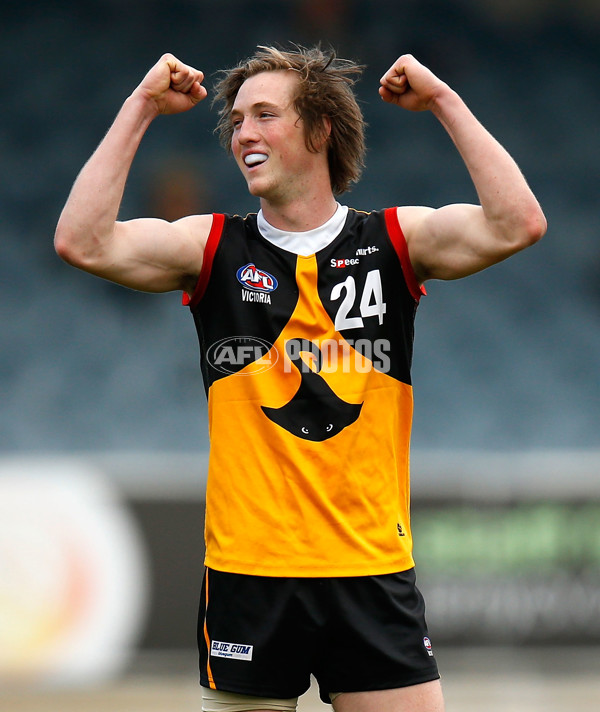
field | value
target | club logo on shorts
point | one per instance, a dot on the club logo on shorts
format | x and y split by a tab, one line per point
428	646
236	651
258	280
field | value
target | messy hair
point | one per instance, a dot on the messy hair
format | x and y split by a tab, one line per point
324	90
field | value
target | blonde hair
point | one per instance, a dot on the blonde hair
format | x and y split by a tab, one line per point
324	90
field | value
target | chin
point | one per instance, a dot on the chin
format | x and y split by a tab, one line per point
255	191
259	191
254	187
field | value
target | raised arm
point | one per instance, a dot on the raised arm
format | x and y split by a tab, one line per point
457	240
148	254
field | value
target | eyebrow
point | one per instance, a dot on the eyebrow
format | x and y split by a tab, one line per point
259	105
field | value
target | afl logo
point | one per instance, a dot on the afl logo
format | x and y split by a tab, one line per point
251	277
242	355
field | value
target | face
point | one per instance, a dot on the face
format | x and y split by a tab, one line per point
268	138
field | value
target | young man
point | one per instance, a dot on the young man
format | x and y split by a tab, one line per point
305	319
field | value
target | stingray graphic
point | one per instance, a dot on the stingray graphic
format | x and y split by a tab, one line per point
315	412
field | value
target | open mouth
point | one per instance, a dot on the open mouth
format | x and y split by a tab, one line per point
255	159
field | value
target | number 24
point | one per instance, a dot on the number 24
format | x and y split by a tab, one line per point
371	301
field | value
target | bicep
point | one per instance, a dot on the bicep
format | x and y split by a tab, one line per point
154	255
451	242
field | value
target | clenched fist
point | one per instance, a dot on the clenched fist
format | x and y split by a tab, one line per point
173	86
409	84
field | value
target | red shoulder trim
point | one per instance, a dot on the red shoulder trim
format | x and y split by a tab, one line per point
399	242
212	243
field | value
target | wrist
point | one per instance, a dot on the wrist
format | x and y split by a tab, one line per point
445	101
142	105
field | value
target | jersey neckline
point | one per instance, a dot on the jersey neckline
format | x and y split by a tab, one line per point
308	242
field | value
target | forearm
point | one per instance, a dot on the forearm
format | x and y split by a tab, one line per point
508	203
87	222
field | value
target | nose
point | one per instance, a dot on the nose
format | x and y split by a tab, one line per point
246	131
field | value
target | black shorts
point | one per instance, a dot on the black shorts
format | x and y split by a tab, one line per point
264	636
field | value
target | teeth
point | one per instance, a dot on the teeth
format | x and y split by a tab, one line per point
253	158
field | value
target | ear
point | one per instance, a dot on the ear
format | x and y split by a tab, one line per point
322	137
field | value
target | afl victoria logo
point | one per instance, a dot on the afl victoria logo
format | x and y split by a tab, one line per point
235	354
251	277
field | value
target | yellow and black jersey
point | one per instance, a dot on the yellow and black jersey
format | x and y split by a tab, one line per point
306	362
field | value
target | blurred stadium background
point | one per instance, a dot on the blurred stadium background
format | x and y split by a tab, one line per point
103	437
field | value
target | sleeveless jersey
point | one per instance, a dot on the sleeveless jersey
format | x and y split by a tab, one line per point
306	362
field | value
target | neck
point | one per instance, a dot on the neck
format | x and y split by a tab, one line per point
300	215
